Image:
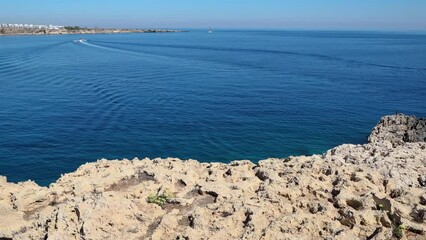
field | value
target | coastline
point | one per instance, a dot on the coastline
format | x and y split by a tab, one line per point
376	190
25	32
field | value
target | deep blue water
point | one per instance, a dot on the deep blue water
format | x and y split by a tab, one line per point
212	97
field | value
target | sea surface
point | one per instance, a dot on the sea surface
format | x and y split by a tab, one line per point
212	97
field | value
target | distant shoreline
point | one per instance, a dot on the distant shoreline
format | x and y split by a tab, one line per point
30	32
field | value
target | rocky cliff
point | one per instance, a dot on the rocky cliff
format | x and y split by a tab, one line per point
371	191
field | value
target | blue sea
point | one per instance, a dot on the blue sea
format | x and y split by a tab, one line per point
211	97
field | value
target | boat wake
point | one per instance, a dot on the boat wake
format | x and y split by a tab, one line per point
120	50
87	43
270	51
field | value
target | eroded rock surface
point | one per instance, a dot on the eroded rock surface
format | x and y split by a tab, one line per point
398	129
371	191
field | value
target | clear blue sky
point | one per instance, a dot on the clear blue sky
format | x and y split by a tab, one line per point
286	14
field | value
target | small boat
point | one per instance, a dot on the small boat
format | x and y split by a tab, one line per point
81	40
210	30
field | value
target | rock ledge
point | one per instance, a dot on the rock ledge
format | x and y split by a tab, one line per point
371	191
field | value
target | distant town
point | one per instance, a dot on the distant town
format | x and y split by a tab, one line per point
31	26
35	29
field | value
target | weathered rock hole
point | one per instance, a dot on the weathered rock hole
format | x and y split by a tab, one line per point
355	204
337	181
385	184
415	230
376	232
248	218
406	138
182	238
418	215
423	200
213	194
226	214
316	208
347	218
191	220
395	193
77	212
422	181
210	198
180	184
335	192
355	178
82	233
261	175
328	172
294	181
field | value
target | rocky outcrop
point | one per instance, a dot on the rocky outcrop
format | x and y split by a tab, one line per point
399	129
371	191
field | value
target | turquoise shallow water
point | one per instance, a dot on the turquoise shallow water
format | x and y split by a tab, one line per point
212	97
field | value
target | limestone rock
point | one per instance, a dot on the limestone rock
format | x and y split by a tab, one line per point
399	129
351	192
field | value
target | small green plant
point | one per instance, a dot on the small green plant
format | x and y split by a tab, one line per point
380	207
161	199
399	231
